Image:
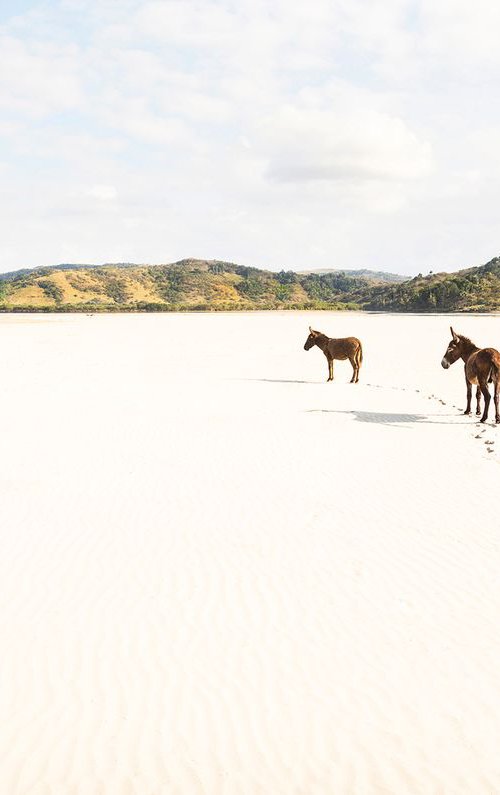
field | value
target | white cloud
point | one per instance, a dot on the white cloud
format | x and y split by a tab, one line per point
198	24
461	34
335	131
342	145
37	79
104	193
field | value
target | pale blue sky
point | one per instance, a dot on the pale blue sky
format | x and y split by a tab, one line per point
12	8
342	133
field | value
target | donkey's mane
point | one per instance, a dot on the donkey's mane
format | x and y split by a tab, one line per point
466	339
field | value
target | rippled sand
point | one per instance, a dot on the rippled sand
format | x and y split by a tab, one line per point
222	575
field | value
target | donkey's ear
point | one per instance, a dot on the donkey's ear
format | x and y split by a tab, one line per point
455	336
310	329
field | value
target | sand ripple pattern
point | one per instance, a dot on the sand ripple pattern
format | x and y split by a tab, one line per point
227	577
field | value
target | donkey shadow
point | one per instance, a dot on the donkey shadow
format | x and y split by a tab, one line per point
396	420
281	381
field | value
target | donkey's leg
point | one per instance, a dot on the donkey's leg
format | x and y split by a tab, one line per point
487	398
354	369
478	400
330	369
496	397
358	364
469	397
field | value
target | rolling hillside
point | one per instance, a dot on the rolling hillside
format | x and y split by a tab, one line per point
211	285
469	290
188	284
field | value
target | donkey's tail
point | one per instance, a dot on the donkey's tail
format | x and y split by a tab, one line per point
360	354
493	374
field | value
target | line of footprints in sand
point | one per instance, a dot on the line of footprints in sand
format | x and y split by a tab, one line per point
488	442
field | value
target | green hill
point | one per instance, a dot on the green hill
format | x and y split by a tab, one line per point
206	285
380	276
470	290
186	285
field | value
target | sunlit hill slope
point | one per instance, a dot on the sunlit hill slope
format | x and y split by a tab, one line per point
211	285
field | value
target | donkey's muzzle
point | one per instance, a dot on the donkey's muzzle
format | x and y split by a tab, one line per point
445	363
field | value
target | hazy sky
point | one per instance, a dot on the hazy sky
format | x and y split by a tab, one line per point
280	134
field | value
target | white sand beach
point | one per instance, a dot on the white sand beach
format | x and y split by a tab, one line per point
221	575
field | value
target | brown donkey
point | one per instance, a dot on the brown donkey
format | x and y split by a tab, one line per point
344	348
482	366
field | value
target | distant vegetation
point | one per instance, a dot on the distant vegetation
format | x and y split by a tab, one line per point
213	285
470	290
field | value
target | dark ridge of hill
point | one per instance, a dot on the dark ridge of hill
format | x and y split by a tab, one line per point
12	275
378	276
209	285
364	273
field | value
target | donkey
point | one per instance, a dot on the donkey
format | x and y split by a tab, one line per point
482	366
344	348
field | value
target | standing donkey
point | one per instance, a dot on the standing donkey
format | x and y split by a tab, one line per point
343	348
482	366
